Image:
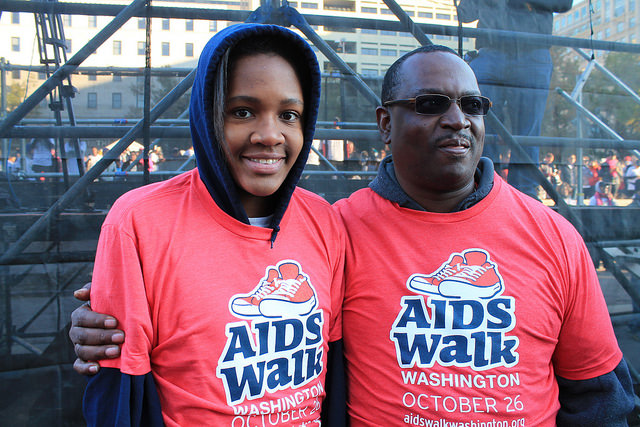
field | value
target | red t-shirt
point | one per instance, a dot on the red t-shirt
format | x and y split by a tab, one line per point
467	317
234	332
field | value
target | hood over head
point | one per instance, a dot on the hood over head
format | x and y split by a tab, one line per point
211	162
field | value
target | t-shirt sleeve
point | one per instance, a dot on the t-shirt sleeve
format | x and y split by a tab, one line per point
587	346
337	286
118	289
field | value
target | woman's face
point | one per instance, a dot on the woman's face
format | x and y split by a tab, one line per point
263	127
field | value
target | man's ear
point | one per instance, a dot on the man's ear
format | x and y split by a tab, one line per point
384	124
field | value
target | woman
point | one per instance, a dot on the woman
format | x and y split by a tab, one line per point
603	195
231	254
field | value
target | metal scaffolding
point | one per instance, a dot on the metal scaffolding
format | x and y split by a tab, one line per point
56	242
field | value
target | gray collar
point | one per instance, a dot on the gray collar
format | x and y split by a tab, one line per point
386	185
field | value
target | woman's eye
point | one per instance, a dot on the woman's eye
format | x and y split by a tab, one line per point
290	116
241	113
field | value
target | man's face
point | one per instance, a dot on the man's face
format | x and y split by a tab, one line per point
433	155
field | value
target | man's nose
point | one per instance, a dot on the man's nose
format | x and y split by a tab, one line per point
454	117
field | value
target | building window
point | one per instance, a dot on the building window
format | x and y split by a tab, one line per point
92	100
93	21
349	47
92	77
632	5
165	48
368	31
293	4
142	23
15	44
607	33
15	74
117	47
66	20
620	27
425	15
117	77
632	22
166	24
188	25
369	72
140	100
15	18
386	12
188	49
387	33
213	26
306	5
368	9
116	100
141	46
443	16
388	52
69	44
42	76
368	51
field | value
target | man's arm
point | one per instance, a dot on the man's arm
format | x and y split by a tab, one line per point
116	399
93	335
604	401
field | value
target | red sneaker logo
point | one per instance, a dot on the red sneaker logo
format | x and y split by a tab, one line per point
469	275
284	290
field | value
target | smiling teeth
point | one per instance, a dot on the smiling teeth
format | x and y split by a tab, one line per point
266	161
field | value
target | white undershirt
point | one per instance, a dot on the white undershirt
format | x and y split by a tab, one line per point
261	221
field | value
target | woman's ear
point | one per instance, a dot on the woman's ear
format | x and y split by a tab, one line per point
384	124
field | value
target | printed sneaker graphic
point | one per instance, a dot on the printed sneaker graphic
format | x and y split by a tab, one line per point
284	290
469	275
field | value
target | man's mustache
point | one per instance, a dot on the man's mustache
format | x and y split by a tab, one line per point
472	139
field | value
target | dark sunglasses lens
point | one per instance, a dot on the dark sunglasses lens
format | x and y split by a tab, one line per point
474	105
432	104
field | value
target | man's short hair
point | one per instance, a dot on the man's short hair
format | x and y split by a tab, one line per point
391	79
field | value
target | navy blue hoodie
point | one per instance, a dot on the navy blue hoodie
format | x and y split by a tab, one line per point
113	398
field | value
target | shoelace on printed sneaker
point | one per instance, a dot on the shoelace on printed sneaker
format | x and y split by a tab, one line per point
447	271
265	289
473	272
288	288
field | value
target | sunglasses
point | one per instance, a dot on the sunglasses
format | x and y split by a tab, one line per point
433	104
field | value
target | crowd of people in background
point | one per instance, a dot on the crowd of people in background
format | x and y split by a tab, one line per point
43	158
605	180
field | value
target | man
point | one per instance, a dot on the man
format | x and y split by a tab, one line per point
569	175
465	300
514	72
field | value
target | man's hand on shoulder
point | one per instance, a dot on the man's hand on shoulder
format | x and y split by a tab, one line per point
94	335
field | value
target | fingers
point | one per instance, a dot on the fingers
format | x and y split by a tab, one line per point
95	336
86	368
95	352
83	316
83	293
92	329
